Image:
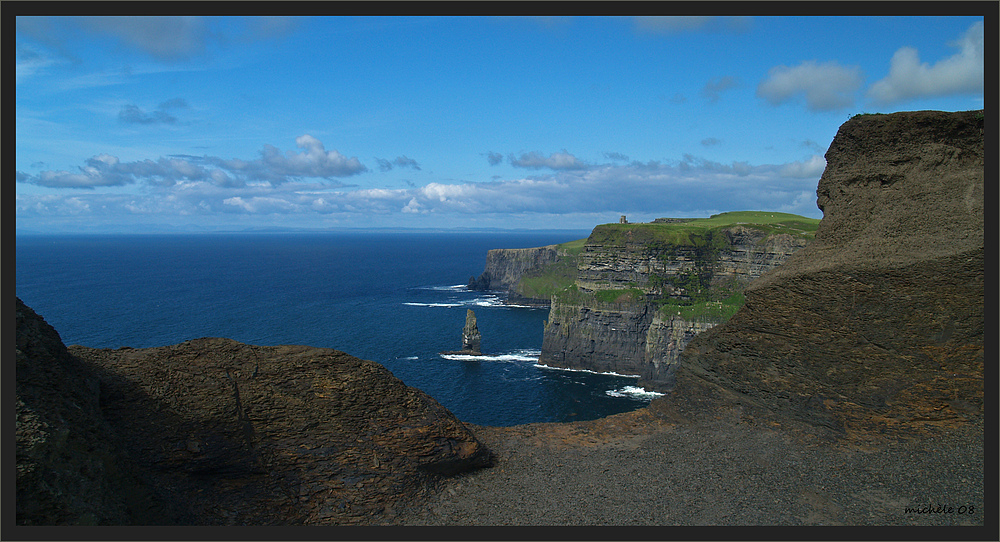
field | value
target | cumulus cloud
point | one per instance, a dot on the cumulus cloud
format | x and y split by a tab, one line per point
494	158
735	168
710	141
165	38
403	161
910	78
826	86
811	168
717	85
271	27
272	167
616	156
536	160
691	185
315	161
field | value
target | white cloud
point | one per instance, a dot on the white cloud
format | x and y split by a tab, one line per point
28	62
826	86
273	167
909	78
691	186
811	168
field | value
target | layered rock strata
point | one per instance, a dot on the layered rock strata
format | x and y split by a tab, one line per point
597	336
216	432
745	253
878	325
636	336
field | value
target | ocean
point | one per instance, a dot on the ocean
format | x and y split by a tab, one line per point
395	298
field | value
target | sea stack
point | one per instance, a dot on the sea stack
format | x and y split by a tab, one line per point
470	334
470	338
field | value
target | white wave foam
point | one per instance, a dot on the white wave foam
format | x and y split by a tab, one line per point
487	301
411	357
518	355
453	288
635	392
484	301
609	373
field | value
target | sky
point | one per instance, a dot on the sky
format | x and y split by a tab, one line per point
171	123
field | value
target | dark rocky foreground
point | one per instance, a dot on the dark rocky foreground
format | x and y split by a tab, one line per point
216	432
638	470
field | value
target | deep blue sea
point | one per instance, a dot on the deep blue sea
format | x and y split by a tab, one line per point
395	298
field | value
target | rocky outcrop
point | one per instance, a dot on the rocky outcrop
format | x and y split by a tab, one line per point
216	432
752	252
69	472
878	325
506	266
471	338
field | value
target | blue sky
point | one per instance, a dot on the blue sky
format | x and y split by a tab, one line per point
144	124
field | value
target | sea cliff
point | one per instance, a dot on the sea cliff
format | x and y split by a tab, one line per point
529	276
642	291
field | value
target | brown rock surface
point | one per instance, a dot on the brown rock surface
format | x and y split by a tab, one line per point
69	472
216	432
877	325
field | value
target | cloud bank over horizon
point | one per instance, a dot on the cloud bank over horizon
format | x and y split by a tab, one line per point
303	184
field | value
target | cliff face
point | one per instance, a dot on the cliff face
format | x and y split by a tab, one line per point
602	337
877	325
215	432
637	333
740	254
666	338
506	266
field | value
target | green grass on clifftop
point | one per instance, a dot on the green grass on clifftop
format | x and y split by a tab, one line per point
694	232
